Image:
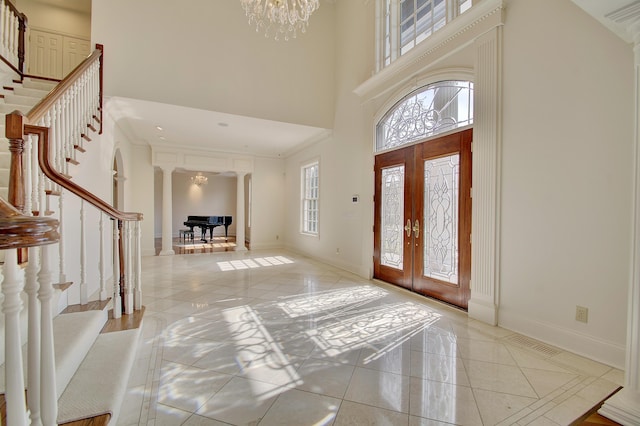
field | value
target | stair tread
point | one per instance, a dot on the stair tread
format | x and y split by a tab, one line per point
100	383
74	334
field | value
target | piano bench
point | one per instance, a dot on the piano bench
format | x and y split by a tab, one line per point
186	233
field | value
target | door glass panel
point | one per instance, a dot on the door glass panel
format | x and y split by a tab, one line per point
392	214
441	187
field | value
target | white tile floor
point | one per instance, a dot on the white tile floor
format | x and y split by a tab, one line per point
272	338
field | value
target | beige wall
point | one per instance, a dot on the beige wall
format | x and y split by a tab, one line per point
58	20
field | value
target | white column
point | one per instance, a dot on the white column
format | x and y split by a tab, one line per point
624	406
485	250
167	213
240	246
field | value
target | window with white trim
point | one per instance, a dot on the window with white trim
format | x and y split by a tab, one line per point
405	23
310	191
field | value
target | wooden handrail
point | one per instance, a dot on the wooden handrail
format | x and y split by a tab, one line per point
19	231
22	29
51	173
41	108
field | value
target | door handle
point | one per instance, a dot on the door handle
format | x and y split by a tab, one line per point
416	228
407	228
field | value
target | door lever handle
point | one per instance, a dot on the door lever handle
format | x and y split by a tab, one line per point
416	228
407	228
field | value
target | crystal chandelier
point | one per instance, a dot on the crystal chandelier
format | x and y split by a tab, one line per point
199	179
279	18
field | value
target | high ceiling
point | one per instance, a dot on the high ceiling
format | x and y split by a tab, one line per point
602	11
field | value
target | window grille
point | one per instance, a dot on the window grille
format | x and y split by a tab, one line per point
430	110
405	23
310	197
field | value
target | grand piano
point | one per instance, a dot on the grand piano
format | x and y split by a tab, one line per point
208	222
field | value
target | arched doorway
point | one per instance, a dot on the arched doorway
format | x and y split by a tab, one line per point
422	224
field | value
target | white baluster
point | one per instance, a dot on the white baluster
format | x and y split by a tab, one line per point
102	265
128	303
84	299
35	173
27	165
14	377
61	244
33	349
3	29
138	265
117	302
48	393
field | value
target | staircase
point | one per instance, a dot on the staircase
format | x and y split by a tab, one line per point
16	96
73	361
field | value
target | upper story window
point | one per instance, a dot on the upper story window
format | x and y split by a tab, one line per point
405	23
310	180
428	111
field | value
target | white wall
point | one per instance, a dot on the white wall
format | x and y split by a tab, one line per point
346	166
268	198
566	181
567	177
204	54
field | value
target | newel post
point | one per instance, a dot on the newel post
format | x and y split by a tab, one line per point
14	125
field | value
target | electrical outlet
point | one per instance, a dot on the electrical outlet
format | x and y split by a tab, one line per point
582	314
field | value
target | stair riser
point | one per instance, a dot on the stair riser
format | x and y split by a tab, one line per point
9	108
20	100
38	84
34	93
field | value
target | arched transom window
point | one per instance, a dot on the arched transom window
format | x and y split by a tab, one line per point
428	111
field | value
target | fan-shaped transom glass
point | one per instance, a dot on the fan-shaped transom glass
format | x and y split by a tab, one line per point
430	110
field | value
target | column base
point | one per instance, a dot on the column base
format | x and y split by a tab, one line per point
167	252
241	248
483	311
623	407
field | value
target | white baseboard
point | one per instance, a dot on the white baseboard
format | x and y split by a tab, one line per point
606	352
358	270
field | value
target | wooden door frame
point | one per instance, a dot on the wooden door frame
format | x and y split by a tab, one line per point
456	294
412	157
403	156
